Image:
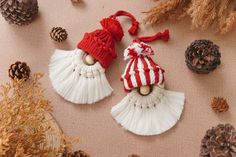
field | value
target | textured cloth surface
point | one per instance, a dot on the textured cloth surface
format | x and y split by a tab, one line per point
99	134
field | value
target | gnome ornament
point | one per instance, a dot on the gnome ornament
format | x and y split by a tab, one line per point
79	75
148	109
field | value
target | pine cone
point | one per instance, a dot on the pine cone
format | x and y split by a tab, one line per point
220	141
219	104
202	56
79	153
133	155
58	34
19	12
76	1
19	70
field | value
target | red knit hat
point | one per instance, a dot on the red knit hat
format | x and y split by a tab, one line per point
141	70
101	43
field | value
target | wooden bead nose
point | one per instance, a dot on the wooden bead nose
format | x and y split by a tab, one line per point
145	90
89	60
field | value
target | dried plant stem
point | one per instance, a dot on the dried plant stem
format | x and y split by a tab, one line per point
26	126
217	14
229	24
166	10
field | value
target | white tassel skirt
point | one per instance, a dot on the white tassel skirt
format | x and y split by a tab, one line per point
76	81
149	115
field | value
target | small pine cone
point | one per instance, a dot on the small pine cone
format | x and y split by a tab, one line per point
133	155
58	34
202	56
76	1
79	153
19	70
219	104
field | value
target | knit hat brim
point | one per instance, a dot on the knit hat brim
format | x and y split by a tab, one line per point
140	72
93	46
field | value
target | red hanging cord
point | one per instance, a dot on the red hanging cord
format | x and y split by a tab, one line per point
135	24
163	36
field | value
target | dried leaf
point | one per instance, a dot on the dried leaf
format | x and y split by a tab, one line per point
26	126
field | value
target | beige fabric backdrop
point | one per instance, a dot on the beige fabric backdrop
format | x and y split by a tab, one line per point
99	134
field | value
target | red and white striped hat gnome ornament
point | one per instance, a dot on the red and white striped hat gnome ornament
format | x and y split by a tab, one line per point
79	75
148	109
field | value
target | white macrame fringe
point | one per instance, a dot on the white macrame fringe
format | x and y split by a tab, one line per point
75	81
149	115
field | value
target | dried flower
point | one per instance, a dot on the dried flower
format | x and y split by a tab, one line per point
27	127
219	141
217	14
167	10
219	104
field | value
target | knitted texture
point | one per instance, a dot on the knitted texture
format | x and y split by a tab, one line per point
141	70
101	43
114	27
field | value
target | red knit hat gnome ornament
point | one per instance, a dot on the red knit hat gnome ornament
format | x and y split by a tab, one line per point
148	109
100	43
79	75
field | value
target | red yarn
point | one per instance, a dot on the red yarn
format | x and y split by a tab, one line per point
135	24
163	36
114	27
101	43
134	29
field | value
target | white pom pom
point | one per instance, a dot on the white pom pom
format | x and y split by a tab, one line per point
75	81
138	49
149	115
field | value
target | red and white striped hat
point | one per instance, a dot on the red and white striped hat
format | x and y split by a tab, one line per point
141	70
